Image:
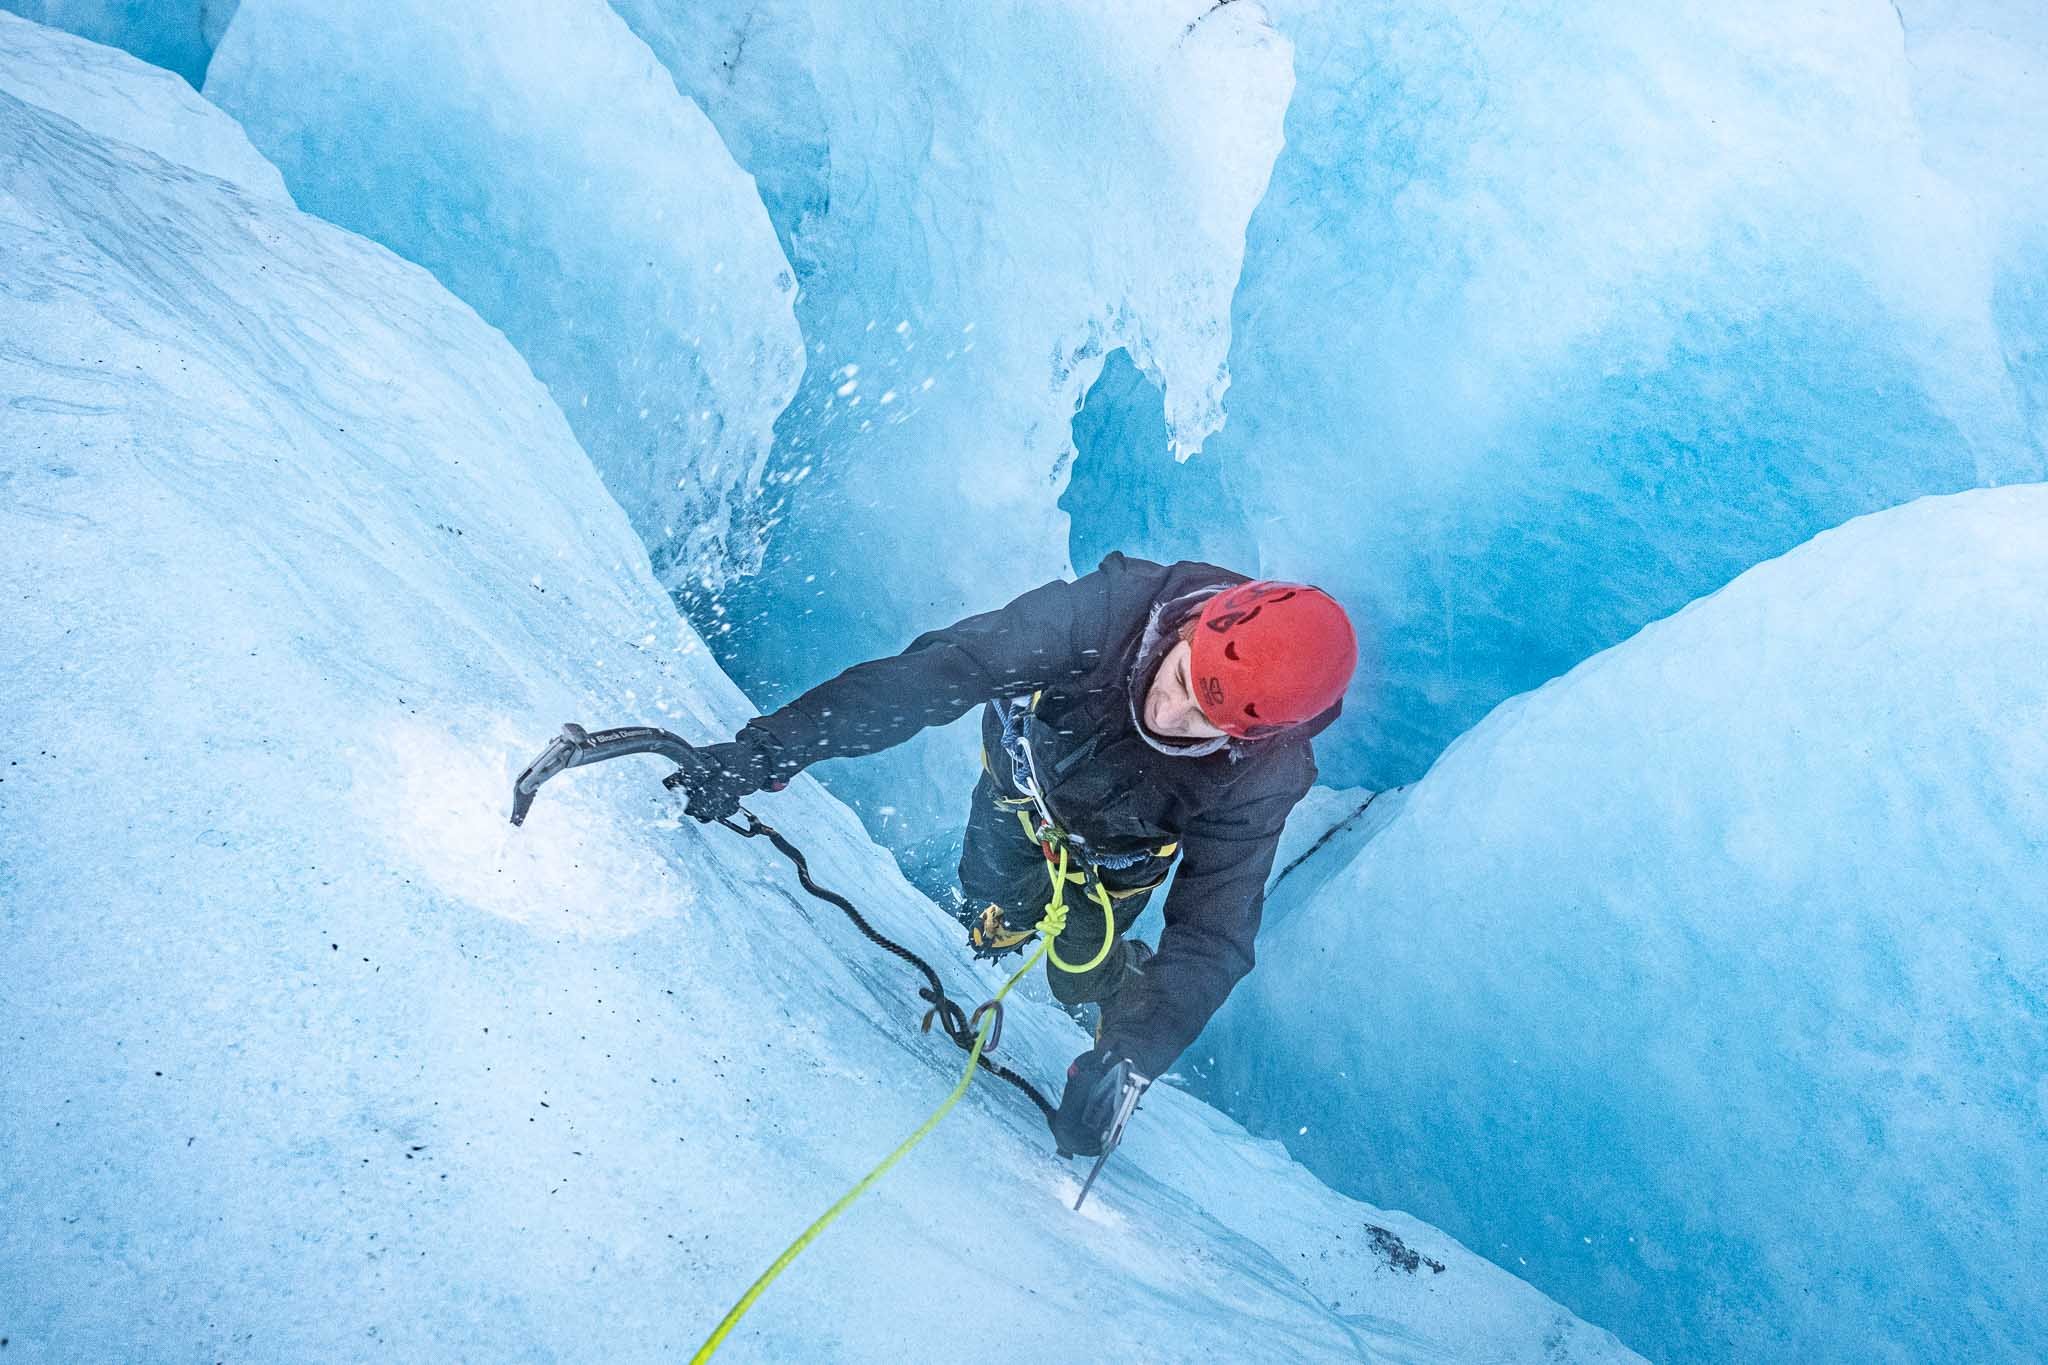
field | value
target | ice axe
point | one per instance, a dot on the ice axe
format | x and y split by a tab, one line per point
576	746
1130	1088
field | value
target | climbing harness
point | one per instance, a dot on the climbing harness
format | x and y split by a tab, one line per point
977	1033
990	937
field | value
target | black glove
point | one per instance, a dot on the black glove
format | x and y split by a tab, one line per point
722	775
1096	1085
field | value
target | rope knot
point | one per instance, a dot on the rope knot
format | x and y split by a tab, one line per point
949	1015
1055	921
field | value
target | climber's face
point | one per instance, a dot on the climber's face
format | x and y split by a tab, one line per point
1171	711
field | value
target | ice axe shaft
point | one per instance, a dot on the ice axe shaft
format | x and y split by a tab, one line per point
575	747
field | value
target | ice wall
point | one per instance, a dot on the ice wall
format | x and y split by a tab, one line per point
1707	986
178	35
982	203
311	1057
117	96
1556	317
1122	490
533	155
1979	76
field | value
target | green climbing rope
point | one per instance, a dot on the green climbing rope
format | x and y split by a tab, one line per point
1048	929
1058	905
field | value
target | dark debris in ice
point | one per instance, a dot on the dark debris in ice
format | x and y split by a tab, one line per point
1396	1253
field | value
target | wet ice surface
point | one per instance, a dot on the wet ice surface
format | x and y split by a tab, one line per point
1704	985
312	1056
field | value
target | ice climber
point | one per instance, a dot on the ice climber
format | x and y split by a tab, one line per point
1140	715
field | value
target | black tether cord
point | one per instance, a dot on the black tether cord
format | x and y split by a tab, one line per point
949	1015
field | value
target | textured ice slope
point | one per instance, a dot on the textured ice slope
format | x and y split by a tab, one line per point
310	1056
1710	982
535	157
114	95
178	35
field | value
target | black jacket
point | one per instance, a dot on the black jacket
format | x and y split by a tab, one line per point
1078	644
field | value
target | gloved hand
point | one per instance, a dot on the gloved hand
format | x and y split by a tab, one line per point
723	775
1096	1083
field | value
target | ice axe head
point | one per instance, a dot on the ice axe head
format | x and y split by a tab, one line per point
576	746
558	757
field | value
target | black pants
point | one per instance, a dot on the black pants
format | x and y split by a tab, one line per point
1000	865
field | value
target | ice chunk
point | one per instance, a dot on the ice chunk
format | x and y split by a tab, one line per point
114	95
1556	318
307	1048
538	160
1710	981
178	35
1028	188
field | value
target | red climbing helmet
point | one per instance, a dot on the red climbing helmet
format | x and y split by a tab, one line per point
1268	655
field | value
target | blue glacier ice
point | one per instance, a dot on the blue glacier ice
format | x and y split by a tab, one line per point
311	1056
117	96
1698	987
983	205
1551	319
1707	986
1537	299
536	158
1558	317
178	35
